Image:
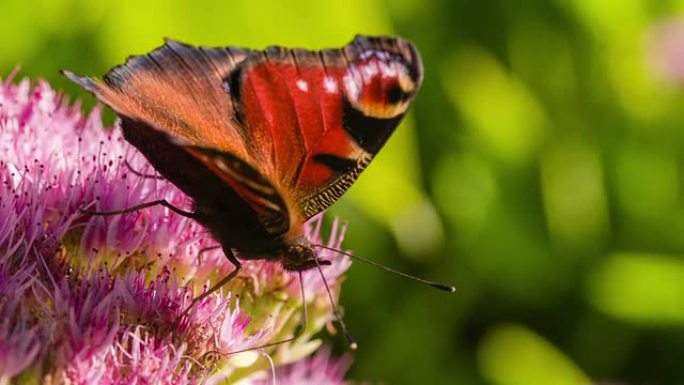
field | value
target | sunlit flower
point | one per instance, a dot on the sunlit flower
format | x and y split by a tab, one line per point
87	299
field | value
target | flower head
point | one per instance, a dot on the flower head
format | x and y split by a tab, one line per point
90	299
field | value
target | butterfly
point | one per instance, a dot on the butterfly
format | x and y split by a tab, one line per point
262	140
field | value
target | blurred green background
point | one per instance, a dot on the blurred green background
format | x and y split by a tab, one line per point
541	171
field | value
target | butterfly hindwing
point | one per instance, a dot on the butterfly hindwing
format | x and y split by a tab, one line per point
250	185
223	187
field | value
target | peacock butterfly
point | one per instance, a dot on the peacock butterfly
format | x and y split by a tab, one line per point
262	140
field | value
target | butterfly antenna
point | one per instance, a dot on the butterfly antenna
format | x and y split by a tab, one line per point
350	339
436	285
305	313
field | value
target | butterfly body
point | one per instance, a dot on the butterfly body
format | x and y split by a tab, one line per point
262	140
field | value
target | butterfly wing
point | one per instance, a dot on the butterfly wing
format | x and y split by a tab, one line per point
177	88
286	130
317	118
222	186
175	111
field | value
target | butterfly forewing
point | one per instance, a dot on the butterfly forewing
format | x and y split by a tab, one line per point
317	118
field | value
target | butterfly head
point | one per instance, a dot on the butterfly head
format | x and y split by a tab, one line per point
383	75
300	256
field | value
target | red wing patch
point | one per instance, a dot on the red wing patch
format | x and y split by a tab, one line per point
316	119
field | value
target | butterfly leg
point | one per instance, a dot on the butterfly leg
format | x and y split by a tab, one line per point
231	257
160	202
204	250
138	173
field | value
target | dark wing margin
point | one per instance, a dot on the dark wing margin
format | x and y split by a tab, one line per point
325	198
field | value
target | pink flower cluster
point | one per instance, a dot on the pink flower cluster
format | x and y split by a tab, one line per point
95	300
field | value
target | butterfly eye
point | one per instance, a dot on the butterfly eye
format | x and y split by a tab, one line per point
379	85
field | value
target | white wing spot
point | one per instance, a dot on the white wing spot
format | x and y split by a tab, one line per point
351	86
369	71
302	85
330	85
